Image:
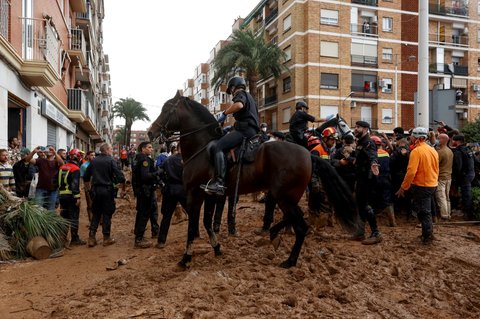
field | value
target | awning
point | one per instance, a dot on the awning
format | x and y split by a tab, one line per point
459	83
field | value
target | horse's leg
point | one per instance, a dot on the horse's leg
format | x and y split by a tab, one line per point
209	206
300	227
194	203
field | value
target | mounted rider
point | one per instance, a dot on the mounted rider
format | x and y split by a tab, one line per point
245	112
299	121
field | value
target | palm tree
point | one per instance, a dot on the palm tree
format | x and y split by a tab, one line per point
120	136
251	55
131	111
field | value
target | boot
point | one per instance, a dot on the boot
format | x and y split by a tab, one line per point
142	243
375	238
107	241
92	241
76	241
217	186
391	216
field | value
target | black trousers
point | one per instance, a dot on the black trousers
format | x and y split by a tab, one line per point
103	207
70	212
146	210
169	203
363	194
466	193
422	205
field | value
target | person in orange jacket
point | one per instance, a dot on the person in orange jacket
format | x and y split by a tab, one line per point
422	179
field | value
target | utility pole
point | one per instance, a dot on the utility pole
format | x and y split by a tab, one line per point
422	111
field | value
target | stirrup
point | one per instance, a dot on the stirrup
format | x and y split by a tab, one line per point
209	192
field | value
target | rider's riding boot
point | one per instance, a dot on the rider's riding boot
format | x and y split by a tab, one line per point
217	186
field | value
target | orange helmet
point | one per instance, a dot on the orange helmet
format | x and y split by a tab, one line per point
313	141
377	140
329	132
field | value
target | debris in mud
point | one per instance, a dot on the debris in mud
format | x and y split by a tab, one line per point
116	264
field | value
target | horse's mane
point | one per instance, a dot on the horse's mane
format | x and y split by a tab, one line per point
200	110
332	122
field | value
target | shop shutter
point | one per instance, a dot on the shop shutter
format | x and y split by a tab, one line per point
51	134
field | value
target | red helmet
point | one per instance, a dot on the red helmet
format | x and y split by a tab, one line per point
329	132
313	141
75	154
377	140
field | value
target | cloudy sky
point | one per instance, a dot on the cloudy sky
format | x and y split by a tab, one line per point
154	46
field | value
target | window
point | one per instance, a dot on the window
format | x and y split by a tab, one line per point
287	84
329	17
329	81
287	23
386	85
274	121
387	116
286	115
387	24
329	49
288	53
328	110
387	54
364	83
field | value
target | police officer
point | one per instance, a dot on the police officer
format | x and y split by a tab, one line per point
147	179
299	121
103	173
463	172
173	193
246	125
366	170
69	194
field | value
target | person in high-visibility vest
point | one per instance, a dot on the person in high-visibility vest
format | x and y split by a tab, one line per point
69	192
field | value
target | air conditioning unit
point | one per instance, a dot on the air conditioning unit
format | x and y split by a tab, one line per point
382	83
353	104
476	87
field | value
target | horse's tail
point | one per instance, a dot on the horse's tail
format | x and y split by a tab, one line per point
339	195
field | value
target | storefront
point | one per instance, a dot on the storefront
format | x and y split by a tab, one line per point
60	130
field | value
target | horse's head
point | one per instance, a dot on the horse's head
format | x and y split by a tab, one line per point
167	122
342	127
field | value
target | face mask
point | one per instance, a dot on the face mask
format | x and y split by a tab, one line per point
264	129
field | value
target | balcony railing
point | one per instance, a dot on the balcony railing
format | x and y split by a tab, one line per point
77	100
443	68
77	41
365	30
271	16
460	70
439	9
461	99
453	40
363	60
366	2
269	100
364	92
4	16
83	15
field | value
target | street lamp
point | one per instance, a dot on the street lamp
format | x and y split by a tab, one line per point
349	95
410	59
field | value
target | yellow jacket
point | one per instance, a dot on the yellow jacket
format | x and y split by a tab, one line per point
422	167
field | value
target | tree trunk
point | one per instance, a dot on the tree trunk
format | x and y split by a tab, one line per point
252	86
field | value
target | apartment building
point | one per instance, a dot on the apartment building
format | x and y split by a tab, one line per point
54	81
200	84
358	58
218	98
136	137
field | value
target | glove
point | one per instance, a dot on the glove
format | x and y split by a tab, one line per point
221	118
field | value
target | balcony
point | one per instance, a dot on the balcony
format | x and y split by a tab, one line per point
271	16
365	61
365	92
77	46
373	122
453	40
4	18
81	110
269	100
83	18
444	68
458	11
366	2
78	5
86	72
40	53
461	99
364	30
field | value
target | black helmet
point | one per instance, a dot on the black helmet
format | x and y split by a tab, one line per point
300	105
235	82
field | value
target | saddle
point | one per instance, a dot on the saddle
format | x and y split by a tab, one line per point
233	155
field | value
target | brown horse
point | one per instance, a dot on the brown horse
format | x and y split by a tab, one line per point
282	168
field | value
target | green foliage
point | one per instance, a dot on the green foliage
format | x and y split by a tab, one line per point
5	247
472	131
476	202
131	111
250	54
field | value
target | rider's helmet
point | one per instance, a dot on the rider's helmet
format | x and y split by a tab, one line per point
419	132
329	132
75	154
236	82
263	125
377	140
301	105
313	141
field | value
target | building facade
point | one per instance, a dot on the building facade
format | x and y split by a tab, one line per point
54	82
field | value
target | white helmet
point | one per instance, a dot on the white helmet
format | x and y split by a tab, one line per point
420	132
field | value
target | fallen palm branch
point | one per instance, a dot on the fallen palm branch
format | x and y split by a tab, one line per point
21	220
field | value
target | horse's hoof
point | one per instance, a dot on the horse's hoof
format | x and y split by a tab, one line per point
217	250
288	264
276	242
186	259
